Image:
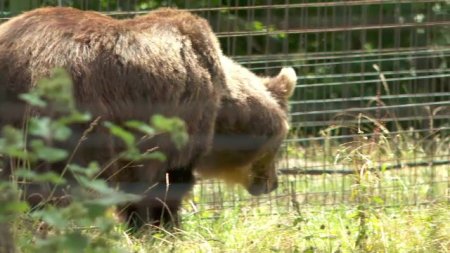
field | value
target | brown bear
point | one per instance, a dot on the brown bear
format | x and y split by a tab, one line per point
166	62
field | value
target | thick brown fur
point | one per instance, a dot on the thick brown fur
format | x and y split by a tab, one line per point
166	62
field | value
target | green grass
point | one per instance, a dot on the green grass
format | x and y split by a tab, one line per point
405	210
217	218
313	229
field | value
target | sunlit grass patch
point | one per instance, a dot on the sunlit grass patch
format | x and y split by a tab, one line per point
314	229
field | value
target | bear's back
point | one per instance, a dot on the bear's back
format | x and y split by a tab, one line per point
111	61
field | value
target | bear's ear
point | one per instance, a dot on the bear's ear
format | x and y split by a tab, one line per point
282	86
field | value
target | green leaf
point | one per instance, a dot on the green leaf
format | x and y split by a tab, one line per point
161	123
132	154
47	177
104	224
53	217
60	132
40	127
57	89
75	242
52	154
135	155
95	210
17	206
155	155
12	137
48	154
140	126
16	152
33	99
75	117
282	35
180	138
258	26
12	207
123	134
90	171
175	126
99	186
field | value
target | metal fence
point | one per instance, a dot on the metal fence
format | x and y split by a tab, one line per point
373	92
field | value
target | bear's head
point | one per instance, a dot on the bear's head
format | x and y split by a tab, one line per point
250	127
262	175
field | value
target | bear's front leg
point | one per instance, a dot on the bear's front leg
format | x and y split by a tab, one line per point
161	203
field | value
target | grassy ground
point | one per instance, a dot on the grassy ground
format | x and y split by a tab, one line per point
395	211
240	223
401	216
314	229
403	210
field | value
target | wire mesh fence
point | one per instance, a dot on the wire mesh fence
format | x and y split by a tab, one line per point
373	92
